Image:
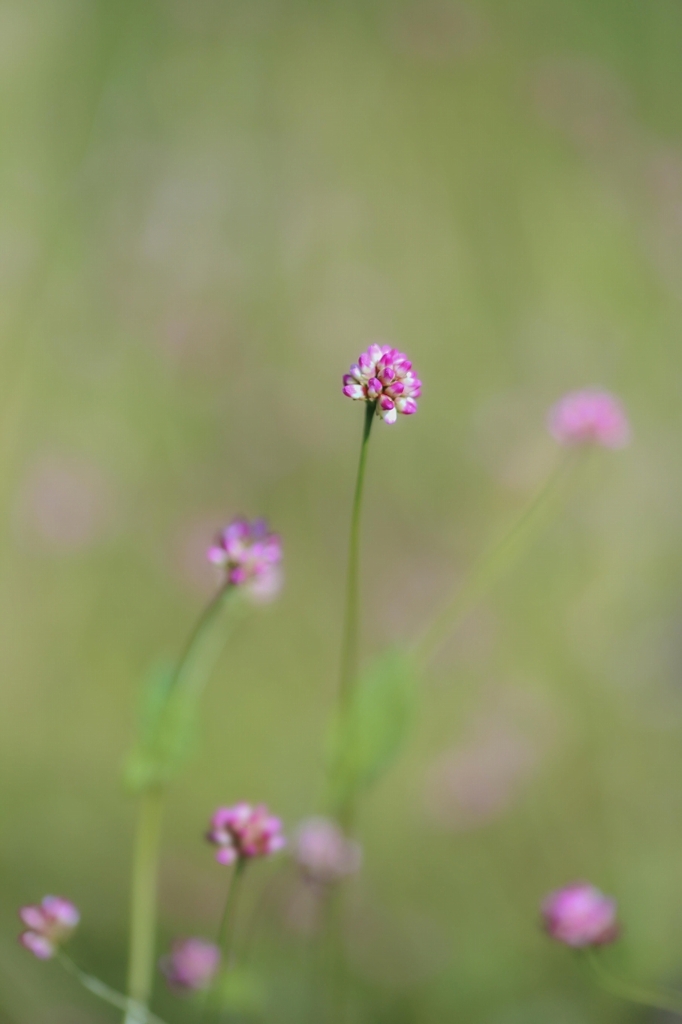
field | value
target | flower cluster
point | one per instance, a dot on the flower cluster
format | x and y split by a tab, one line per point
323	852
48	924
249	554
243	832
589	417
191	964
580	915
384	375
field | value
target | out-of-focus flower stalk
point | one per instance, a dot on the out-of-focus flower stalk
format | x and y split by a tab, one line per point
669	1002
143	915
134	1011
225	937
492	564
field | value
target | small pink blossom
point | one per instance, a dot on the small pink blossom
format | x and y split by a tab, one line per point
249	554
590	416
191	964
384	375
242	832
580	915
48	923
324	853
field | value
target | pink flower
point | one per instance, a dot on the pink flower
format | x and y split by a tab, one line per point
191	964
580	915
249	555
243	832
384	375
324	853
589	417
48	924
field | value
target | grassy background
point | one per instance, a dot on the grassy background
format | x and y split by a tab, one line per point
207	208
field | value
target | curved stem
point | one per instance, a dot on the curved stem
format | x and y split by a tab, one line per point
490	566
149	818
226	930
349	647
136	1012
668	1001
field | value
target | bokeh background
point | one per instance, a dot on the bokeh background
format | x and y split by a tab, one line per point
207	209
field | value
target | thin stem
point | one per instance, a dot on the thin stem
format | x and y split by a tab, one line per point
489	567
668	1001
136	1012
149	818
226	930
349	648
144	897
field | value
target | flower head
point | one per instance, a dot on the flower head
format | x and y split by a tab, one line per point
580	915
324	853
242	832
250	555
590	416
384	375
48	924
191	964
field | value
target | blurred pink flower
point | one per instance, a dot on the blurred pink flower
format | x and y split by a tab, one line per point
48	923
66	502
580	915
589	417
191	964
384	375
324	853
249	555
242	832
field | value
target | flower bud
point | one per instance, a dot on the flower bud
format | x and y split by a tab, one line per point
48	924
242	832
191	964
580	915
589	417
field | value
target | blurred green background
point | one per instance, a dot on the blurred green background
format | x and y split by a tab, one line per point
207	209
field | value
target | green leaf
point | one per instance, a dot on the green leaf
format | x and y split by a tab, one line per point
375	726
166	731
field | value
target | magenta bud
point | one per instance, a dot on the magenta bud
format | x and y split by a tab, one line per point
243	832
590	416
49	923
382	373
580	915
191	964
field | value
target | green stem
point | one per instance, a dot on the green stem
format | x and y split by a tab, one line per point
149	818
136	1012
671	1002
488	569
144	897
226	930
349	648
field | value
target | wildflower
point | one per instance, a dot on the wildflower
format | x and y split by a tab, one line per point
384	375
242	832
589	417
249	554
48	924
580	915
324	853
191	964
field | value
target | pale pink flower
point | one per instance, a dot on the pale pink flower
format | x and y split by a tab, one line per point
324	853
384	375
191	964
590	416
242	832
48	923
249	554
580	915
